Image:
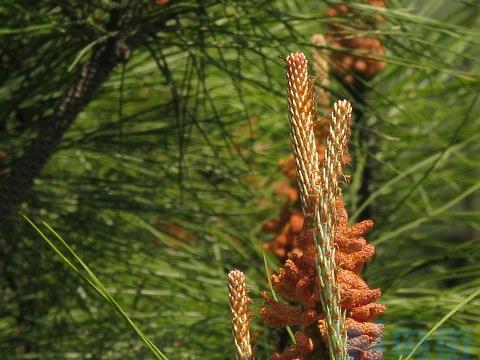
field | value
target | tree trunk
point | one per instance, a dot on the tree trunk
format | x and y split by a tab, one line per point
15	186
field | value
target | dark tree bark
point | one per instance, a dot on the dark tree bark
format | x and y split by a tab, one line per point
15	186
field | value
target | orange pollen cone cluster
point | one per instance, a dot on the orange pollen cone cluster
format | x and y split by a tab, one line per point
297	283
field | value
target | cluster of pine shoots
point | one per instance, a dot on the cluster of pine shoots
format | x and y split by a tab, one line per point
324	298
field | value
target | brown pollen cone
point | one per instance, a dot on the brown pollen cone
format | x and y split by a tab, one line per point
354	57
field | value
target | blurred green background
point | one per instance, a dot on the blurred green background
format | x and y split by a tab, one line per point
163	180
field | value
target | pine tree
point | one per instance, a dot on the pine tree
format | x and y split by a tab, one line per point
148	134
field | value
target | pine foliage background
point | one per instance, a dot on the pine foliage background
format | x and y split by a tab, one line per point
163	180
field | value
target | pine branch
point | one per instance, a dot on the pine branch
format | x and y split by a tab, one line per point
319	188
324	222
